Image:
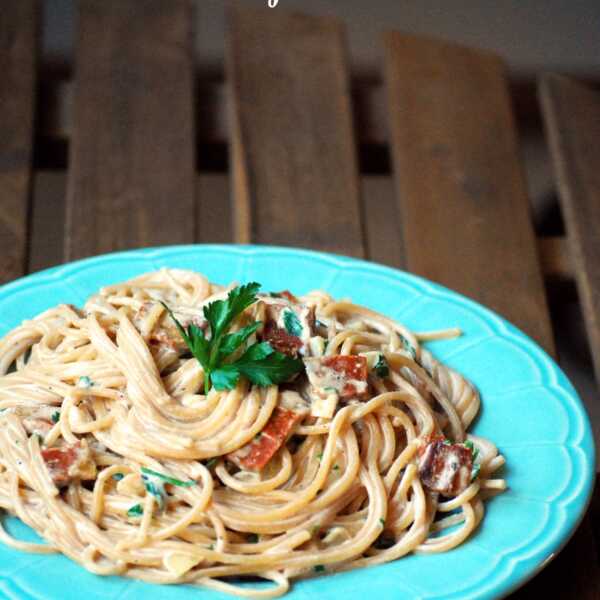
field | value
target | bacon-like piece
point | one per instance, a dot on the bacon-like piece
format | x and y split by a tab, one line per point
69	462
289	296
288	324
281	340
344	375
444	467
257	453
354	367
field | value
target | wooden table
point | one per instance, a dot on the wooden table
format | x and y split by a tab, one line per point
458	212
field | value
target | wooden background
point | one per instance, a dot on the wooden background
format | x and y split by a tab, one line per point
421	170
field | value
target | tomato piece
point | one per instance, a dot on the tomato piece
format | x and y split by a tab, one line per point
353	367
257	453
65	463
444	467
281	340
289	296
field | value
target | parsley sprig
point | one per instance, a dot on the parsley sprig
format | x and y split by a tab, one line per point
260	363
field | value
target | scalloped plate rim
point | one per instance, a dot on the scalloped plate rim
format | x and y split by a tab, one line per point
575	506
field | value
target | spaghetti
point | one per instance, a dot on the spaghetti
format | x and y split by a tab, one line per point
112	451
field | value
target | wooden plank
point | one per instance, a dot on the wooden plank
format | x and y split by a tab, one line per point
295	176
131	178
46	249
383	232
465	214
17	87
463	197
572	118
214	223
47	230
210	109
383	229
555	259
368	101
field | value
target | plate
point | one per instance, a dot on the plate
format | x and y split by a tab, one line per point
529	409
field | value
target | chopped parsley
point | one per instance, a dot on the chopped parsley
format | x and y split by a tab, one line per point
336	467
381	367
382	521
211	462
252	538
118	476
320	455
260	363
408	346
135	511
56	417
474	451
154	483
85	382
166	478
319	568
292	323
211	546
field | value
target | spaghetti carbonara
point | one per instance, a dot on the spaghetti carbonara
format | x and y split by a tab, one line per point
324	438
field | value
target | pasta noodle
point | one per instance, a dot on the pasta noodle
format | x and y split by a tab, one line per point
112	451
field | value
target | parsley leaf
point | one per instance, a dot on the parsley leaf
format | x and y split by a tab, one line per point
135	511
408	346
474	453
381	368
194	338
292	323
225	378
167	478
221	313
260	363
232	341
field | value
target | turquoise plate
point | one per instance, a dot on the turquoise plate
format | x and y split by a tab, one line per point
529	409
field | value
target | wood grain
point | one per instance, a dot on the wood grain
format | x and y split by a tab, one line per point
461	189
47	229
555	258
572	119
383	229
295	176
465	214
131	175
213	212
18	47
